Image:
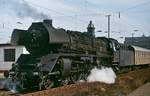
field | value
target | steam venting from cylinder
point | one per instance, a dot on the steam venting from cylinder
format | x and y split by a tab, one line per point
105	75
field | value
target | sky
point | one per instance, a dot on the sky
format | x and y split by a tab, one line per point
127	16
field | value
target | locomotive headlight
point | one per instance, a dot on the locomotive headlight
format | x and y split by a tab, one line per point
35	73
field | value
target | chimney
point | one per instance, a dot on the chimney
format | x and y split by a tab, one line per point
48	22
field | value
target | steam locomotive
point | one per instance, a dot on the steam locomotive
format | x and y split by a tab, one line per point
59	57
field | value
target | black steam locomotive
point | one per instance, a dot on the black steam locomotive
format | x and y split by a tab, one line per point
59	57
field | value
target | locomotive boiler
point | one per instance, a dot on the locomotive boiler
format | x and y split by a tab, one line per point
57	56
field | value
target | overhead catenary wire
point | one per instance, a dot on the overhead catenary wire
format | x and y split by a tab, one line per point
73	16
135	6
60	13
89	14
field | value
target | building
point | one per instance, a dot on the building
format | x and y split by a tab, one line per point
138	41
8	55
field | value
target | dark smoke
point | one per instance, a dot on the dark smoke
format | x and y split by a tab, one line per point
21	8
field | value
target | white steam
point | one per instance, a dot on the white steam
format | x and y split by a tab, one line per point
105	75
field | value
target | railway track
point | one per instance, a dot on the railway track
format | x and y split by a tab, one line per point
125	83
7	93
59	91
50	92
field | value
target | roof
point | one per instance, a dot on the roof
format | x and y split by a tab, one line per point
136	48
7	44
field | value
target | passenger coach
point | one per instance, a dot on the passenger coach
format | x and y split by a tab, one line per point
133	55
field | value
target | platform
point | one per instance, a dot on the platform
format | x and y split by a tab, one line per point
141	91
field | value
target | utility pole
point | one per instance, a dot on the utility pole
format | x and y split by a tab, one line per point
108	18
132	37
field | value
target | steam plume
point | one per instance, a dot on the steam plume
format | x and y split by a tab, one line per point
105	75
22	9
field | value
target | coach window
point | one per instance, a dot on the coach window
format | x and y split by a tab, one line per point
9	55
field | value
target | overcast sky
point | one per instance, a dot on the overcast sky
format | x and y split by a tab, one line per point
76	14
